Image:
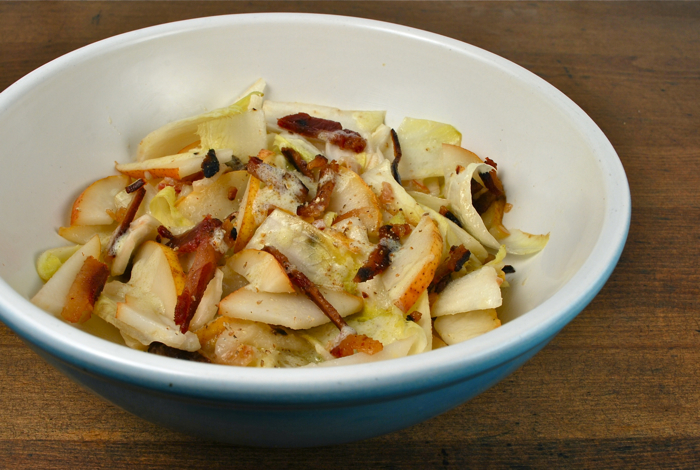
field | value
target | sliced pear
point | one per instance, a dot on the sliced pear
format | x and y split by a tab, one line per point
294	311
142	229
81	234
52	296
352	195
477	290
214	199
209	304
463	326
262	270
454	235
93	204
413	266
250	215
157	270
454	155
176	166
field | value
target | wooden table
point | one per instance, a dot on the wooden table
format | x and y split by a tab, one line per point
618	388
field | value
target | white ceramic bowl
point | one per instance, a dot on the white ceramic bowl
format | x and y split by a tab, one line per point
65	124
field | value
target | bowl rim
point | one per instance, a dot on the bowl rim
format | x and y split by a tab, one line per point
313	386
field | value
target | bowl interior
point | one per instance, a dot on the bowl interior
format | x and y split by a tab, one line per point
64	125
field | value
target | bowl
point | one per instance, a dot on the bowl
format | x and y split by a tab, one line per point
64	125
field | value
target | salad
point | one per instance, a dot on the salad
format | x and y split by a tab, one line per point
275	234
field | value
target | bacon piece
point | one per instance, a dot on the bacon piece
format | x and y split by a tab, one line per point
126	221
85	290
203	269
458	256
326	183
161	349
307	287
232	193
190	240
380	259
397	157
193	177
135	185
359	343
444	211
323	129
319	161
414	317
281	180
297	161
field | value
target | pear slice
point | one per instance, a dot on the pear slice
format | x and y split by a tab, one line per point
52	296
90	208
249	214
214	198
206	310
262	270
378	178
477	290
81	234
142	229
463	326
294	311
352	195
176	166
413	266
157	270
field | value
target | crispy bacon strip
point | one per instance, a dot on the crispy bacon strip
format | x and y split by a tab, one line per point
319	161
135	185
297	161
458	256
326	182
324	129
281	180
126	221
397	157
307	287
380	259
203	269
190	240
85	290
357	343
210	164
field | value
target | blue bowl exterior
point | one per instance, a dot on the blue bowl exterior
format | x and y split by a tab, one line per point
290	425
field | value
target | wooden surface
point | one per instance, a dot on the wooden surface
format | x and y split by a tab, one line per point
618	388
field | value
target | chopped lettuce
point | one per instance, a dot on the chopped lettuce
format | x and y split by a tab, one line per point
51	260
163	208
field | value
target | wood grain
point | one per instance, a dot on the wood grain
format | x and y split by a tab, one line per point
618	388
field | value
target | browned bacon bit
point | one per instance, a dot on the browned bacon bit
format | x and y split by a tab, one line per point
379	259
414	317
492	183
278	178
232	192
203	269
85	290
444	211
126	221
357	343
300	280
210	164
135	185
297	161
458	256
193	177
161	349
508	269
397	157
345	139
326	182
164	232
324	129
319	161
488	161
190	240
